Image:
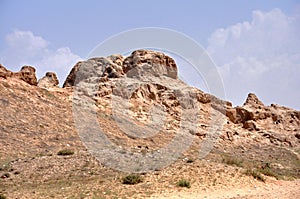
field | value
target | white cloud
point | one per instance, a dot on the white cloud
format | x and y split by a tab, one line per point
25	48
261	56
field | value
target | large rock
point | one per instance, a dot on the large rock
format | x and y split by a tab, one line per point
145	62
4	73
70	81
141	63
27	74
48	81
253	100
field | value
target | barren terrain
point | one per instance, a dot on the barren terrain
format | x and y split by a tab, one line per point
42	153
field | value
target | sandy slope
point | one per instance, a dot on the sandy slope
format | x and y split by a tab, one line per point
272	190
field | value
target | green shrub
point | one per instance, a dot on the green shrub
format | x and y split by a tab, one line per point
269	172
232	161
255	174
65	152
132	179
184	183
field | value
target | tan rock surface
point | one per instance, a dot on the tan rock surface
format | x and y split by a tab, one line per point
36	123
48	81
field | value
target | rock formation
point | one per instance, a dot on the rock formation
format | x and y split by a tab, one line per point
26	74
128	98
252	100
48	81
4	73
146	78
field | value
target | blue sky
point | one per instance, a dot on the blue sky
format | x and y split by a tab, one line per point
254	43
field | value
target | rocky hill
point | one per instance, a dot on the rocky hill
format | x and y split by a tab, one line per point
151	123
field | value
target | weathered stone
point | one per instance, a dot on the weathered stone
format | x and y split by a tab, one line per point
253	100
145	62
70	81
27	74
48	81
4	73
249	125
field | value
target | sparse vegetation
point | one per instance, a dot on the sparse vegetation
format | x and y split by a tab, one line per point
255	174
232	161
184	183
2	196
266	170
132	179
65	152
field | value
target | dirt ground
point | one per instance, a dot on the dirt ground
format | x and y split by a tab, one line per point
272	190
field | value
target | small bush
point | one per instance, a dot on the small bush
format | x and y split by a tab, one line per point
232	161
255	174
65	152
184	183
190	160
2	196
132	179
269	172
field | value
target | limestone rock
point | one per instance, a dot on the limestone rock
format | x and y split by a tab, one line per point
70	81
4	73
27	74
48	81
149	63
253	100
249	125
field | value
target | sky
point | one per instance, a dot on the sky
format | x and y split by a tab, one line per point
254	44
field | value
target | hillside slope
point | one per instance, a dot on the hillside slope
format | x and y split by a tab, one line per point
141	106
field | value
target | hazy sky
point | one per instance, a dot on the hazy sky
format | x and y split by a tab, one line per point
255	44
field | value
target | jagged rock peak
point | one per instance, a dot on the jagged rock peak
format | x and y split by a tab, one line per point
48	81
140	64
26	74
4	73
70	81
162	65
253	100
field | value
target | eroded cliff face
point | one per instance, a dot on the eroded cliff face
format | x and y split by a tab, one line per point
146	84
141	106
153	77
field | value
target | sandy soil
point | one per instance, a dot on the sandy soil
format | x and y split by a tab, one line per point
272	190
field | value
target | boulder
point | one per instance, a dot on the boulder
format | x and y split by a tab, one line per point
27	74
4	73
70	81
253	100
149	63
48	81
249	125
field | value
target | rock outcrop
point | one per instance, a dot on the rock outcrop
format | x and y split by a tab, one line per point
4	73
252	100
26	74
48	81
70	81
147	78
137	64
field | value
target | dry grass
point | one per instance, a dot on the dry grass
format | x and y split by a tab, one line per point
65	152
184	183
255	174
132	179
